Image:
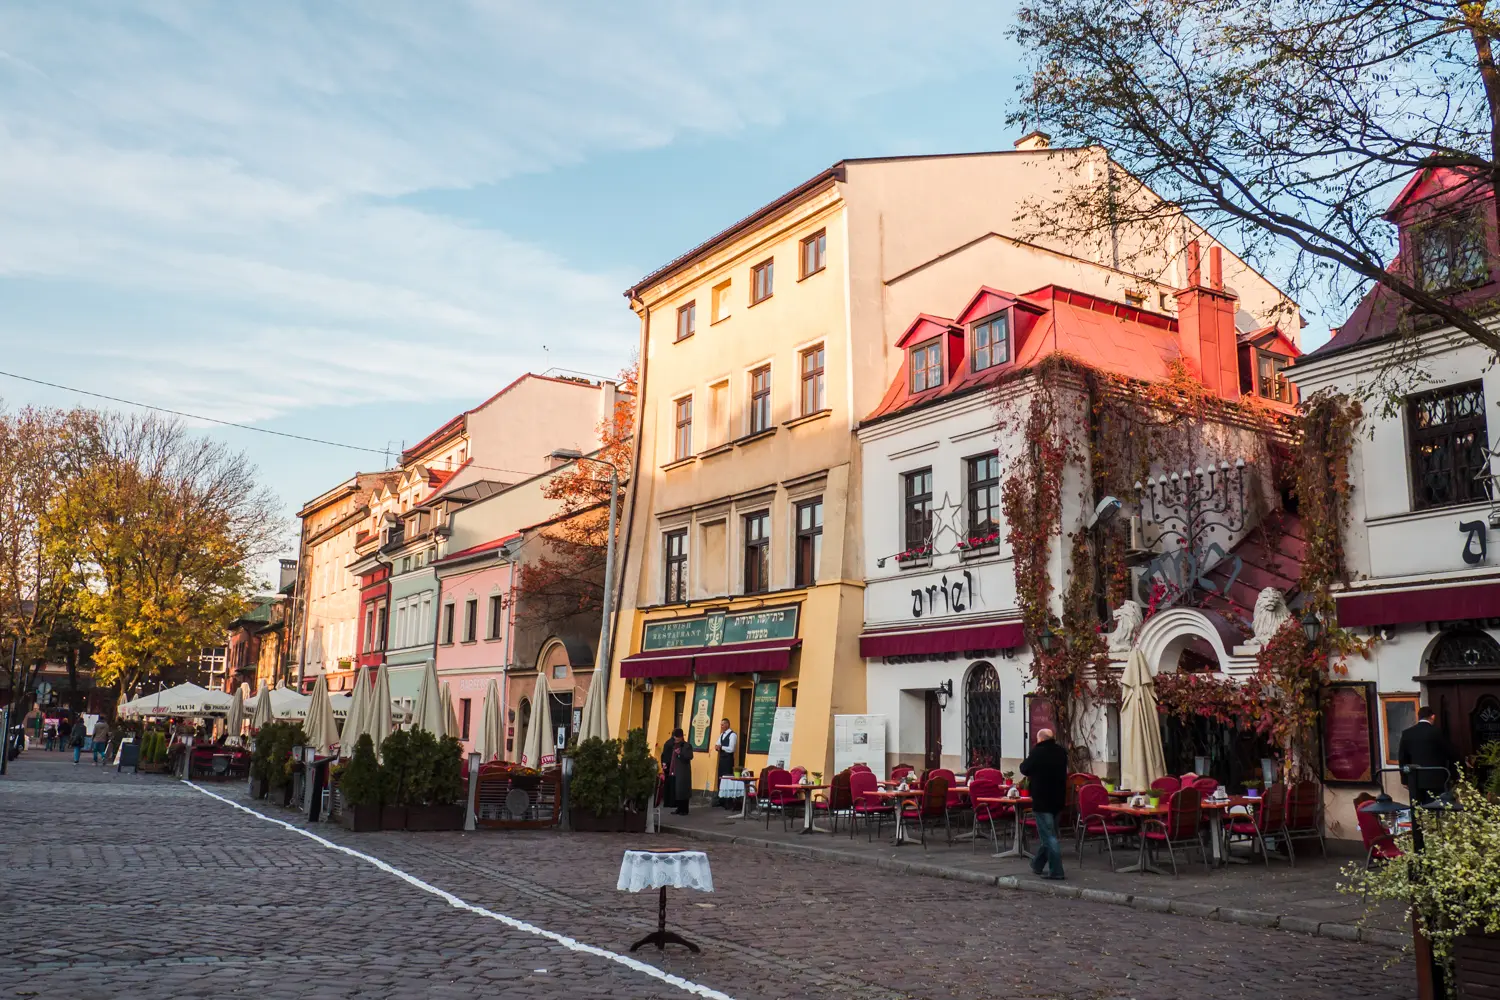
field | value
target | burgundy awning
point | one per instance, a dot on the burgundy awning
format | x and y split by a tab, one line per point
764	656
939	639
658	663
1433	604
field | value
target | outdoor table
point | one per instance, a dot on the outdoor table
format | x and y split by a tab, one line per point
657	869
1140	814
899	798
805	791
1020	803
749	782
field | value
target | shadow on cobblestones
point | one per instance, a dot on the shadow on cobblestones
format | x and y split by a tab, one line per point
138	886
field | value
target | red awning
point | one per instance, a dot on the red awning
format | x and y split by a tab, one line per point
764	656
658	663
938	639
1433	604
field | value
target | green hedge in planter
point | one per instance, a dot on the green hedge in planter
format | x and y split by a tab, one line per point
360	783
610	776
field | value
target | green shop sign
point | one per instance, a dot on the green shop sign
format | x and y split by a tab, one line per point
721	629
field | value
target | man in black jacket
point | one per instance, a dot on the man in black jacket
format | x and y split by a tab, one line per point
1424	748
1047	771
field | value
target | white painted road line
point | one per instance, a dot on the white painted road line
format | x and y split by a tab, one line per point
687	986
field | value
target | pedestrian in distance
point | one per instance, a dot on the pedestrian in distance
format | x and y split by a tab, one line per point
76	737
677	763
51	743
1047	773
1426	758
101	740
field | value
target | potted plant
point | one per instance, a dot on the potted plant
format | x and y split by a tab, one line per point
1451	886
596	803
638	776
395	780
359	788
260	756
436	783
279	764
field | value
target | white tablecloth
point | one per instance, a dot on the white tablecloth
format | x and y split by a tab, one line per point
678	869
731	788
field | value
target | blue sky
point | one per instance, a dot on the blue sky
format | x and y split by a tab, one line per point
353	220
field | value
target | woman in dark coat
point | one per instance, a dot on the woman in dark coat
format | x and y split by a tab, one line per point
676	762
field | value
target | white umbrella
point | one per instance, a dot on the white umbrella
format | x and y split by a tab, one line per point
261	717
489	742
357	718
594	722
1141	757
378	718
322	731
445	695
236	718
538	744
192	700
427	712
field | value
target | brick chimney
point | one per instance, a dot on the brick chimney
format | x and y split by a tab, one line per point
1205	324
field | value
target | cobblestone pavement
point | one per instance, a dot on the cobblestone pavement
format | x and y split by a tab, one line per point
140	886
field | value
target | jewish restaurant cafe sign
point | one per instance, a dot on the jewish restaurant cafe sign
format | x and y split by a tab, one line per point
721	642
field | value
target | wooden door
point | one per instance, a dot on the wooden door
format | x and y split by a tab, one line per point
932	755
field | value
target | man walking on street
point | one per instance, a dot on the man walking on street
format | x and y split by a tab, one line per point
101	740
1047	771
1425	750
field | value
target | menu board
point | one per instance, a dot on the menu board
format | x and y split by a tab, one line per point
701	721
859	739
1400	715
1039	715
1348	732
781	738
762	716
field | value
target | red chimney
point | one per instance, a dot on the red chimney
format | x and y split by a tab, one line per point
1205	324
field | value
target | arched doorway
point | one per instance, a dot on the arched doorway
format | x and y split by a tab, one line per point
1463	684
983	713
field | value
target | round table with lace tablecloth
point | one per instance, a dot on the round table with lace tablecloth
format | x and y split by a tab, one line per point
658	870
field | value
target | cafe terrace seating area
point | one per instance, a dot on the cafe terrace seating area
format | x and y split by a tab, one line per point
1184	837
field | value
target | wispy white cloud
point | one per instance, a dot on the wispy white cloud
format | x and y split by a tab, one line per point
200	197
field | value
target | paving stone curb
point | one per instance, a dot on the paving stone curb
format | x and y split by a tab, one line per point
1155	904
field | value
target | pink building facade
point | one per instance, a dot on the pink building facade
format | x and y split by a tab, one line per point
475	633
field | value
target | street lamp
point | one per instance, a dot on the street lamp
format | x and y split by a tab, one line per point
944	692
1048	639
1312	626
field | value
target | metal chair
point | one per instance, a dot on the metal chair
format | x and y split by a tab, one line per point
1304	800
1181	829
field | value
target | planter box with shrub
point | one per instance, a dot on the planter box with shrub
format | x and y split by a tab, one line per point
612	782
360	819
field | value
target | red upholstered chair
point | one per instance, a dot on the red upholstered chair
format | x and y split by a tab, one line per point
900	771
1380	845
1091	778
1181	829
1206	786
988	788
1186	780
1303	803
986	774
866	805
955	800
931	807
798	773
781	795
1268	819
860	767
839	801
1094	823
1166	785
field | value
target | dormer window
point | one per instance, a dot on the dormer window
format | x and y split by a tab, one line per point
991	341
1450	251
926	366
1270	383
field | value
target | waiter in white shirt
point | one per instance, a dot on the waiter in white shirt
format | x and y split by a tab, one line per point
728	743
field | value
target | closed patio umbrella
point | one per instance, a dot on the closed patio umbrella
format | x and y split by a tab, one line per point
357	718
538	743
235	720
1141	757
489	742
445	695
322	731
261	717
594	722
427	711
378	716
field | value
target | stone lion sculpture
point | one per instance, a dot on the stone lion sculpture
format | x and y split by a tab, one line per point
1129	617
1271	612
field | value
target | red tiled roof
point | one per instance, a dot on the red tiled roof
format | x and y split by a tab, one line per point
1110	336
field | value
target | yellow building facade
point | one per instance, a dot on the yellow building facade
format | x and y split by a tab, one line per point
742	575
